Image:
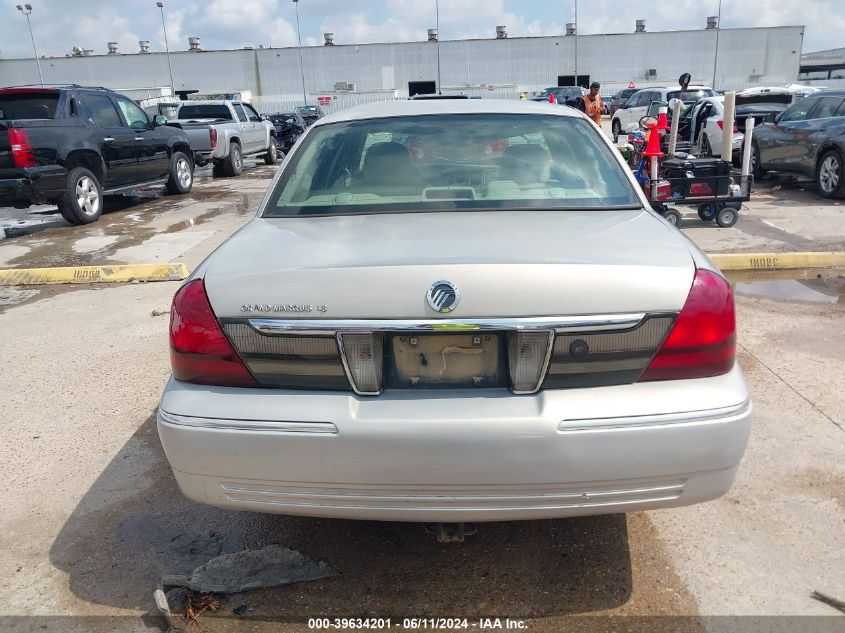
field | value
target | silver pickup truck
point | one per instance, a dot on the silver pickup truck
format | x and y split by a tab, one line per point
223	132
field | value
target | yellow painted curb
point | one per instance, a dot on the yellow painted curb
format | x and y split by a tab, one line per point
93	274
777	261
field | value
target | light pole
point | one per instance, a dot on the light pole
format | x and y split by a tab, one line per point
26	10
716	50
160	5
437	26
301	63
576	42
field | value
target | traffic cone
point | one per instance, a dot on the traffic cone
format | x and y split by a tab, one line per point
653	146
551	97
662	120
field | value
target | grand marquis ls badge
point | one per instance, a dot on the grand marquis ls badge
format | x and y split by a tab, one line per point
443	296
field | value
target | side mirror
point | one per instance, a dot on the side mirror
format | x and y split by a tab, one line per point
159	120
264	117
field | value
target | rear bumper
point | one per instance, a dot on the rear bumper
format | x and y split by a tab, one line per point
455	456
32	186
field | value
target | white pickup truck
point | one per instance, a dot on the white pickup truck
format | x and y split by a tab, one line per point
224	132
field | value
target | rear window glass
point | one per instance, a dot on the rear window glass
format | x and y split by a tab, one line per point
690	95
205	112
28	106
442	162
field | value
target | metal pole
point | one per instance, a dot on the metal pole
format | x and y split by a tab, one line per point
746	147
716	50
728	126
673	129
301	63
167	47
576	42
437	26
32	37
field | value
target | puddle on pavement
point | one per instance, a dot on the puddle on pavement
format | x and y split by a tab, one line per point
802	285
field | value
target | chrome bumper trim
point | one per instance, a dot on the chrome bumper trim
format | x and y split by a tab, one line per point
725	414
248	425
330	327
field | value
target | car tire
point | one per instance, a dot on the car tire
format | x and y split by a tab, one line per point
673	217
616	128
830	175
707	212
181	179
727	217
83	199
233	164
706	149
756	170
272	155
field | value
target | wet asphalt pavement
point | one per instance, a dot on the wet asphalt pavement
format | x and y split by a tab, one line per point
93	518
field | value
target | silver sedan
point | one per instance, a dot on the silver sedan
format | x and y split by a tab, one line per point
450	311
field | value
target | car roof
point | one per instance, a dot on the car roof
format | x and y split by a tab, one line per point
209	102
387	109
832	92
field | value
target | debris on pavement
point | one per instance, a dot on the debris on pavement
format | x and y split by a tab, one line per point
833	602
158	312
256	569
269	566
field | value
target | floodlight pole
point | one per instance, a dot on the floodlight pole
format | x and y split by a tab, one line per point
437	26
26	10
301	63
716	50
160	5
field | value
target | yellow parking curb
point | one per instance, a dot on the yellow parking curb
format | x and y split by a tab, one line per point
93	274
777	261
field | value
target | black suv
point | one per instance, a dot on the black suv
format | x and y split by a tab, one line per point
73	145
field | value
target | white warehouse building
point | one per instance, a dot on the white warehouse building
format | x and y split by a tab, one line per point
502	66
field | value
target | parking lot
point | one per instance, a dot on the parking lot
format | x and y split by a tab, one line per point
93	518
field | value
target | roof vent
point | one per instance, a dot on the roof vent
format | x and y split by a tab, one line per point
113	48
87	52
571	29
501	32
712	22
329	37
640	26
432	35
194	44
145	46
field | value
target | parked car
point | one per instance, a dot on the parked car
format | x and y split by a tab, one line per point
707	126
605	102
620	98
806	141
289	127
224	132
564	95
311	113
637	104
491	324
71	146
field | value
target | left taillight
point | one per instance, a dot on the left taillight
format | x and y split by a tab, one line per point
199	350
702	342
212	136
23	155
721	125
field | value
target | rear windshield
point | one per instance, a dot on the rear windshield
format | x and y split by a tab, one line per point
31	105
205	112
690	95
443	162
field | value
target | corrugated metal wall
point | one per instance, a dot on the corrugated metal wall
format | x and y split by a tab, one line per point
500	68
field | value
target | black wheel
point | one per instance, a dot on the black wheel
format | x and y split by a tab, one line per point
616	128
233	164
673	217
706	150
272	154
83	199
707	212
181	174
830	175
727	217
756	170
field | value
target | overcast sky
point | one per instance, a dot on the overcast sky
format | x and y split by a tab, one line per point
61	24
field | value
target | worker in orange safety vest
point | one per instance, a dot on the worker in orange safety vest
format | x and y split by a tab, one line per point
591	104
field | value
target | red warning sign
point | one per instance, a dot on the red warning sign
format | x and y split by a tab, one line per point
631	85
324	100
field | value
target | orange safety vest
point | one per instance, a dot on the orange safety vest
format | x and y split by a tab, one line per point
593	109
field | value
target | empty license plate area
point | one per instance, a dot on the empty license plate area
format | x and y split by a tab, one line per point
429	361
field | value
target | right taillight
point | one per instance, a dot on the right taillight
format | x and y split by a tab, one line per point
199	350
212	134
23	155
702	341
